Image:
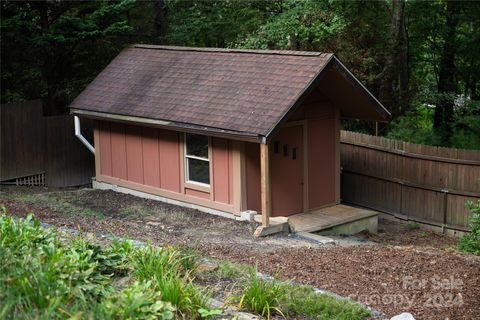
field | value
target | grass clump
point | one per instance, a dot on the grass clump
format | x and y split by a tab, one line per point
413	225
304	301
92	213
230	270
171	272
153	261
470	242
262	297
271	297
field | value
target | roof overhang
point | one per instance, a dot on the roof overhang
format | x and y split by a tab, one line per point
359	103
336	82
176	126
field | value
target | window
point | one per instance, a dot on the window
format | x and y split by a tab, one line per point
197	162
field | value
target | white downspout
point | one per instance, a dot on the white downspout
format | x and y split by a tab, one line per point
78	134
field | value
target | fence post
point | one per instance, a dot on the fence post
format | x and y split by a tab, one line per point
445	202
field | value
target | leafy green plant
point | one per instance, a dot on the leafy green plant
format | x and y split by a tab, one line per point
42	277
311	23
470	242
138	301
111	260
424	234
209	313
416	126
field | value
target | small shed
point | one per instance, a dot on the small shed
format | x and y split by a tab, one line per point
225	130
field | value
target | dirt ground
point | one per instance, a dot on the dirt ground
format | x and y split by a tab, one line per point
407	269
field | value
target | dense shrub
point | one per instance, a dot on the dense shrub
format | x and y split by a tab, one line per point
40	276
470	242
46	274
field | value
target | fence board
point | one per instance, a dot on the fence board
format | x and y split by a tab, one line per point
416	182
22	141
32	144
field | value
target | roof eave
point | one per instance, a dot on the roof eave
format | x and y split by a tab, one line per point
333	60
380	108
171	125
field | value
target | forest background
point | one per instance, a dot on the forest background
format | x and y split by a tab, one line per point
420	58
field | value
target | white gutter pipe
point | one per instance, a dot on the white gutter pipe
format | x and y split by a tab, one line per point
78	134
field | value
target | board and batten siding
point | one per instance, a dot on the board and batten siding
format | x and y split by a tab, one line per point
151	160
322	119
322	122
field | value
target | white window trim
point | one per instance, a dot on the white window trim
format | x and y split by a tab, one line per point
186	156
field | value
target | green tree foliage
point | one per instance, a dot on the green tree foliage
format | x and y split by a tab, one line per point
456	91
302	25
355	31
413	55
52	48
215	23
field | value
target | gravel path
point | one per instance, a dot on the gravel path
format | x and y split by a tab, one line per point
407	271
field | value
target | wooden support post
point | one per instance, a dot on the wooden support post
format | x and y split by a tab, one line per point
265	184
239	178
338	170
96	145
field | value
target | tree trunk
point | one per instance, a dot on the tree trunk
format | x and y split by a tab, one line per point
160	21
446	80
394	88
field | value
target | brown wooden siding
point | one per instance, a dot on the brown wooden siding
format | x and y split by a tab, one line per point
134	156
320	116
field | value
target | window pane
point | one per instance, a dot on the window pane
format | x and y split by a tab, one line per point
197	145
198	170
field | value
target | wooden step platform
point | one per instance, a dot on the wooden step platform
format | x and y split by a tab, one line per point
338	219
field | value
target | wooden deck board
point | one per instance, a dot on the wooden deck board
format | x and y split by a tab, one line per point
329	217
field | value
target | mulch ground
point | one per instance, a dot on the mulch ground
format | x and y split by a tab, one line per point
407	271
388	278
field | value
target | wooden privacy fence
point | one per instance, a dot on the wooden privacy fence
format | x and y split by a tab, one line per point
38	150
410	181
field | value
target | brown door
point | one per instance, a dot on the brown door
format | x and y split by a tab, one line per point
287	171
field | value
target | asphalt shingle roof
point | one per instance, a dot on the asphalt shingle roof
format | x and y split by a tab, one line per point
245	91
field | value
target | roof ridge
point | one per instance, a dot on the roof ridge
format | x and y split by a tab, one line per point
232	50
